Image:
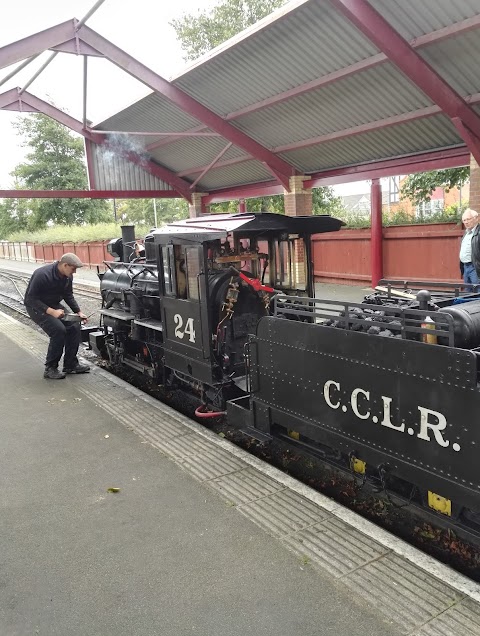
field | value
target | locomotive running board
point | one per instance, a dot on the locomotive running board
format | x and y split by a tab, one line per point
256	434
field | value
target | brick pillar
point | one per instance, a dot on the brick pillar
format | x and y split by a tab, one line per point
196	207
298	202
474	202
242	205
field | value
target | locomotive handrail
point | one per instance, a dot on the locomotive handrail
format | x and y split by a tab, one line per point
404	320
442	289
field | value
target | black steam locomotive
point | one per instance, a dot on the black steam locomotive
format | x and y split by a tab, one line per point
223	307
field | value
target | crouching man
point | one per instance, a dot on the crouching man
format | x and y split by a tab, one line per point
48	286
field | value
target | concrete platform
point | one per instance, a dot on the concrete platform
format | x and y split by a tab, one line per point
202	537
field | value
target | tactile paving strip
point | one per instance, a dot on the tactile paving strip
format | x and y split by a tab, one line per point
463	618
334	547
211	464
403	592
283	513
418	603
245	485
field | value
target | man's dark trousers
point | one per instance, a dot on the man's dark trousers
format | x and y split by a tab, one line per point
62	335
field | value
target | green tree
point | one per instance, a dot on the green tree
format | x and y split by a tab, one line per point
204	31
15	215
141	211
324	201
55	162
419	187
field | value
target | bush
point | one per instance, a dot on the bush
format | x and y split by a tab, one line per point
452	214
69	234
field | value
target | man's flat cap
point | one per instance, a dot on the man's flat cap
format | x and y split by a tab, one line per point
71	259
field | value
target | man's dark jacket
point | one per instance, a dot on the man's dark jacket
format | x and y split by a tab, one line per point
47	288
475	250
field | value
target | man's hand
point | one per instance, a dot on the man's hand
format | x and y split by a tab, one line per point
82	316
56	313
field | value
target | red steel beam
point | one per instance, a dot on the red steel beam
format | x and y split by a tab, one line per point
182	187
88	194
473	142
399	52
370	62
421	113
34	44
282	169
423	40
422	162
434	160
28	102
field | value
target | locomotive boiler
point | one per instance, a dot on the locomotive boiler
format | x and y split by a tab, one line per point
224	307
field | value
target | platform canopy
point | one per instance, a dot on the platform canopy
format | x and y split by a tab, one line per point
338	90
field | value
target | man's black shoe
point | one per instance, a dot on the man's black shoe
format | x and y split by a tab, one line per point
80	368
52	373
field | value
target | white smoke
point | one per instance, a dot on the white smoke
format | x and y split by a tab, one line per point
118	145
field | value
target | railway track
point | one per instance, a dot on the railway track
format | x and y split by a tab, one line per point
21	279
12	303
12	290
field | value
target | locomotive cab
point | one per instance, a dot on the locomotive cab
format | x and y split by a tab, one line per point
218	275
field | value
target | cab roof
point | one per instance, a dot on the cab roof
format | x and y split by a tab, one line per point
217	226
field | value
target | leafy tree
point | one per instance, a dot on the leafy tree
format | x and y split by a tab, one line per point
15	215
420	187
324	202
56	162
141	211
204	31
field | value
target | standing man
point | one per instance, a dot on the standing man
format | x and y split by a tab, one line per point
47	287
470	248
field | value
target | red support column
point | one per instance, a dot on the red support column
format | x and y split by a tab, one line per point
242	206
376	232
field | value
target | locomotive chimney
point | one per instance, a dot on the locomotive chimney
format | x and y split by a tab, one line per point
128	238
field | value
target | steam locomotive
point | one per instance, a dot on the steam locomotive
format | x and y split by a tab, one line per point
224	307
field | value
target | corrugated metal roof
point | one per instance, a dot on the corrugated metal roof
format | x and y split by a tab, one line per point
361	98
396	141
308	44
189	152
305	43
412	18
240	173
112	172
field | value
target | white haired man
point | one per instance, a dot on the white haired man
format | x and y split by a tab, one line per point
48	286
470	248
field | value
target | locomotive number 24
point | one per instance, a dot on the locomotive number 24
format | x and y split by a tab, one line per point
188	330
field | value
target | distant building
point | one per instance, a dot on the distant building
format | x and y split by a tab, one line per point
360	204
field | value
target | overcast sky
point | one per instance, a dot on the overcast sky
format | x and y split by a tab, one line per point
141	28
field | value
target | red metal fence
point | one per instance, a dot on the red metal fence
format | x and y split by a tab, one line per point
422	252
91	254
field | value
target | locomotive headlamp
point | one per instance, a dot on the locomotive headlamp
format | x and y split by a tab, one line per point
115	248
